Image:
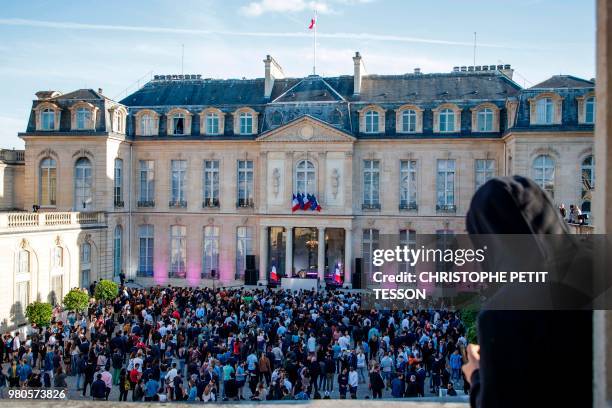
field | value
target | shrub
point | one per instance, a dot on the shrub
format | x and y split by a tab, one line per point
39	313
76	300
469	319
106	290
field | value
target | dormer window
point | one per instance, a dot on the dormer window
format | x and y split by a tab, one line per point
178	124
485	120
83	118
212	123
146	125
544	111
589	110
409	121
47	121
371	122
447	120
246	123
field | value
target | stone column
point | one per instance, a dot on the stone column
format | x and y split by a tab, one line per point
348	257
263	256
289	251
321	256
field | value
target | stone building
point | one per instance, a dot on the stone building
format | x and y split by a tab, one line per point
181	180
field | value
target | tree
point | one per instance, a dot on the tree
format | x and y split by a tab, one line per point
76	300
106	290
469	319
39	313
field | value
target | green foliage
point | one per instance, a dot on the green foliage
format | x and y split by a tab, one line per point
39	313
76	300
106	290
469	319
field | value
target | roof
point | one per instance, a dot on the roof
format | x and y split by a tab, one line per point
80	94
564	81
414	88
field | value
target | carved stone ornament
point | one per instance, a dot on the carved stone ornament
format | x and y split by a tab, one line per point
276	181
335	182
306	132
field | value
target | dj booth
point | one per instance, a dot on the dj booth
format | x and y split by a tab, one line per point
300	284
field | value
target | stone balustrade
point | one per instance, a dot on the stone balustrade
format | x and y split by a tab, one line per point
21	221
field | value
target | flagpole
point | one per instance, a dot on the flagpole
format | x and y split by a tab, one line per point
314	46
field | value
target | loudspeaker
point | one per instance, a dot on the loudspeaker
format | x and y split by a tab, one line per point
213	273
250	262
250	277
357	274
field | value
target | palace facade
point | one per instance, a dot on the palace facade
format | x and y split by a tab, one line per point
183	179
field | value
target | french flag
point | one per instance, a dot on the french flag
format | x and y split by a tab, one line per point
313	21
295	203
314	204
305	202
273	275
337	275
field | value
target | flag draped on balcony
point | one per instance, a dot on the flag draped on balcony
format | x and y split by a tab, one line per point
305	202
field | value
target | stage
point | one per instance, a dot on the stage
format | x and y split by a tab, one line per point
300	284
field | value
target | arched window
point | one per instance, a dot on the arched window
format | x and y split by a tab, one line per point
83	118
246	123
23	262
83	199
543	170
212	123
118	122
371	121
447	120
305	177
544	111
47	121
409	117
117	256
47	187
589	110
22	283
178	124
485	120
587	171
146	124
57	276
85	264
276	119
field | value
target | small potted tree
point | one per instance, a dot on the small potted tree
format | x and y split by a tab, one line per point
106	290
39	314
76	301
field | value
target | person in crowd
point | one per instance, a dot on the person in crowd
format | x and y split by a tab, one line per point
98	388
377	383
398	386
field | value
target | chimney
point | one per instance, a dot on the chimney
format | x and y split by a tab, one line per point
507	71
273	71
417	71
100	91
358	73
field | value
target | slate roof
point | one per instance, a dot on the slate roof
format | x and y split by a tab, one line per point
81	94
564	81
310	89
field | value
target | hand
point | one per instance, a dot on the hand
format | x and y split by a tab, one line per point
473	364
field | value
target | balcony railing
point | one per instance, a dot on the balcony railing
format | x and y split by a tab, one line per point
449	208
146	203
30	220
119	204
409	206
211	203
12	156
370	206
245	203
177	204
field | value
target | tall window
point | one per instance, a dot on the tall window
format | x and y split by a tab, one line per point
83	199
146	190
485	170
587	171
246	123
210	259
370	243
23	262
178	251
85	263
445	185
447	120
48	182
211	183
589	110
47	121
245	183
118	187
179	175
145	250
118	122
371	121
408	184
178	124
407	239
146	124
485	120
244	247
371	183
22	282
409	121
212	123
57	257
83	117
544	111
543	169
117	250
305	177
57	289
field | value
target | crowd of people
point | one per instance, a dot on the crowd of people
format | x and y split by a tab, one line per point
188	344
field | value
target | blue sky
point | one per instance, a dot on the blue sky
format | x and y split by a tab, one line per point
65	45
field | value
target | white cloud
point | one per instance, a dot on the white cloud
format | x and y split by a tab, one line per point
257	8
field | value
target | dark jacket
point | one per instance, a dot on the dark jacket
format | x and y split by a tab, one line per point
98	389
527	345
